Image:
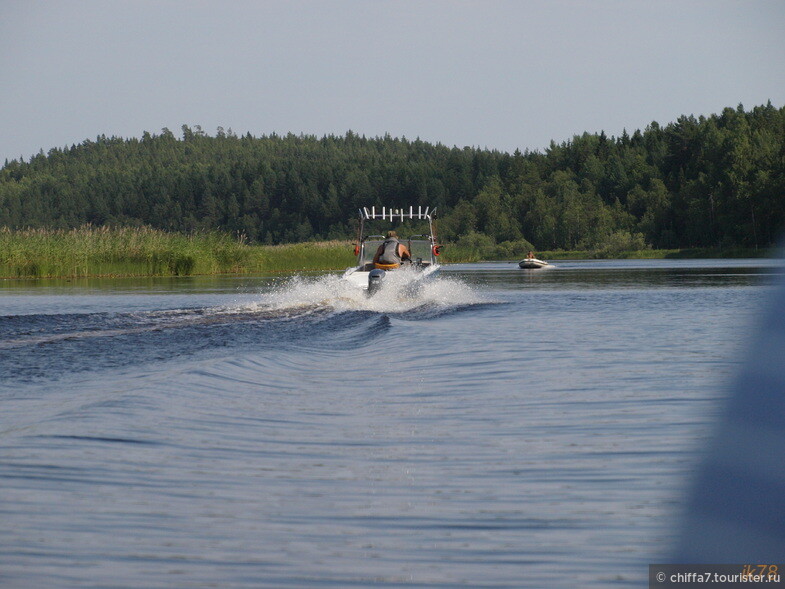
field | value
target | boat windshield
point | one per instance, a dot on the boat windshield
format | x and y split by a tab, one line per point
369	249
420	250
419	247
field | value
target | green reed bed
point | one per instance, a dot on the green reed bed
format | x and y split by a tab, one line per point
308	256
142	251
101	251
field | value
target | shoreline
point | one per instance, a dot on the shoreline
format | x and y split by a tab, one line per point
142	252
283	266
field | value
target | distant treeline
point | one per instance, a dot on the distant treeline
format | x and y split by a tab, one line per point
716	181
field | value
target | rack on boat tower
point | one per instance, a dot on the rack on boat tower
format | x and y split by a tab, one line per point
399	214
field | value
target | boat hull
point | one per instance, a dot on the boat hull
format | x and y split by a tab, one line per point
532	264
359	277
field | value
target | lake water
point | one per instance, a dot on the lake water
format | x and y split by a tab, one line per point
503	428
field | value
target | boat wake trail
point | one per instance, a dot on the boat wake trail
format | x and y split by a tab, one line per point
396	298
322	315
64	344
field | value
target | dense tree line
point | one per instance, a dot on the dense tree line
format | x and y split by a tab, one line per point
707	181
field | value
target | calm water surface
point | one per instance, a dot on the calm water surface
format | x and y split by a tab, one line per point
504	428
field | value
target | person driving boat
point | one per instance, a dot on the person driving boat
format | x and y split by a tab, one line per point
391	253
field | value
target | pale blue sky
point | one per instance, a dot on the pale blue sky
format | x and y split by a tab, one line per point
496	74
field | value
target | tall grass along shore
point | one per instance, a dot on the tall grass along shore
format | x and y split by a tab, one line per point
141	251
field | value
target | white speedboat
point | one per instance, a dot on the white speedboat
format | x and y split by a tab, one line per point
532	263
423	248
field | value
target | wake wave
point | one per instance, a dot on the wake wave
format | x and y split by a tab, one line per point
334	294
321	315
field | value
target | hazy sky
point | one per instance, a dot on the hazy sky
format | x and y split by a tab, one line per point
496	74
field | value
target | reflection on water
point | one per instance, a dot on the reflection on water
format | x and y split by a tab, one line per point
502	428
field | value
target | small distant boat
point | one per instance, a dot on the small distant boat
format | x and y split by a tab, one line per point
532	263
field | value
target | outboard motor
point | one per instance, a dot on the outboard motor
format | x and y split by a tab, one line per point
375	278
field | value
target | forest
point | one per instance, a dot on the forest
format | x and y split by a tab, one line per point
713	181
